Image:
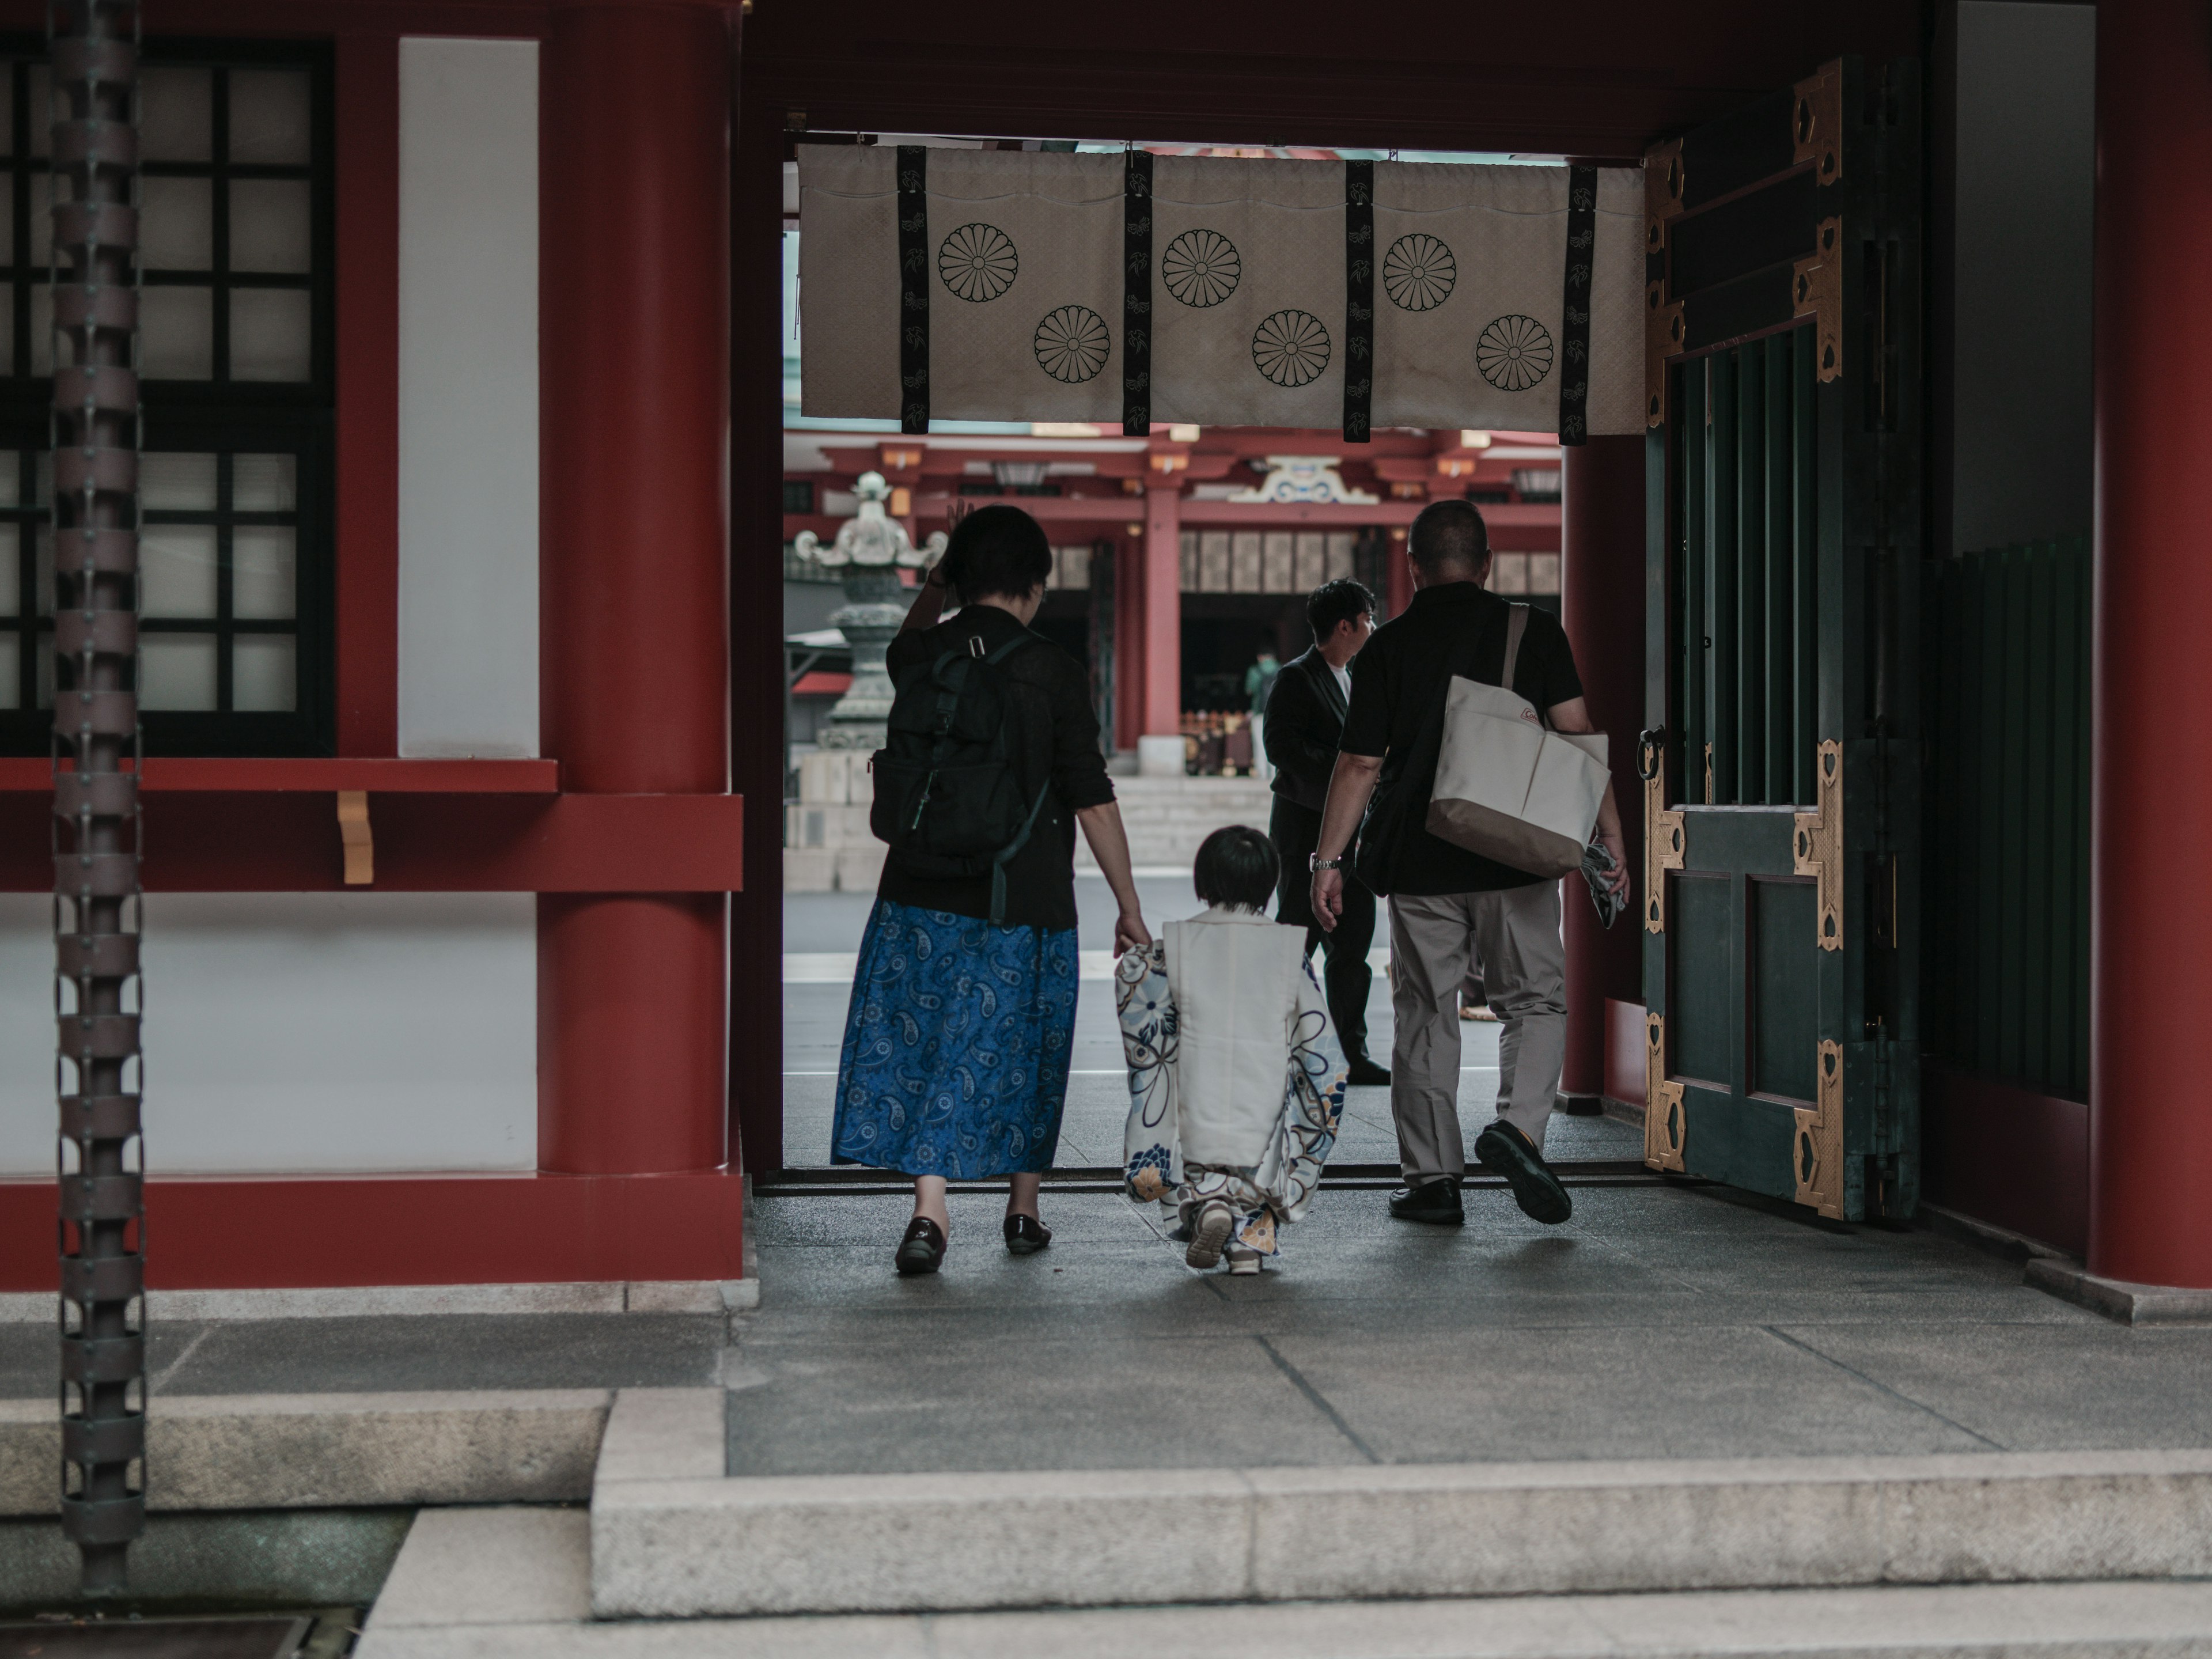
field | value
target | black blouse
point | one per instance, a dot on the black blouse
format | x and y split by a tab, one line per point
1055	737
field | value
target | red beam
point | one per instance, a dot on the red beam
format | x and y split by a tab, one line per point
211	842
305	1233
250	777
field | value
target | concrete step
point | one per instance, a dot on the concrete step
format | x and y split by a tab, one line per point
673	1538
512	1584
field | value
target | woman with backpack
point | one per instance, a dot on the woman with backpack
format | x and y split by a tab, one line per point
960	1030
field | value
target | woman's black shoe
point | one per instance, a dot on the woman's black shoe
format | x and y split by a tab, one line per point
922	1249
1026	1235
1365	1074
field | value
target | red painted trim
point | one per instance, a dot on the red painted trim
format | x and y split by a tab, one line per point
820	683
1263	515
288	842
2007	1155
217	1234
243	777
1624	1051
367	168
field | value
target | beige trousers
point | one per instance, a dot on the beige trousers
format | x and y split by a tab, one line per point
1515	933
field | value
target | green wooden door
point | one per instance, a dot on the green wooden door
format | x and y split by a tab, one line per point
1782	810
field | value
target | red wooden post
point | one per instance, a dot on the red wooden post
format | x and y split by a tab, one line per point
1163	618
635	363
1602	578
2150	1151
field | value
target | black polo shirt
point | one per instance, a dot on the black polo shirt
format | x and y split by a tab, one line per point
1399	682
1055	735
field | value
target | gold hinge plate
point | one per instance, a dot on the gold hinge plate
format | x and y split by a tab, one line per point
1818	1146
1816	123
1665	1126
1818	848
1665	846
1817	291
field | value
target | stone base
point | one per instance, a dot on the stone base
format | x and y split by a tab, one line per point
2115	1298
1160	757
1579	1105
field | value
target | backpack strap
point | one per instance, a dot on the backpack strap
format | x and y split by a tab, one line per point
1007	852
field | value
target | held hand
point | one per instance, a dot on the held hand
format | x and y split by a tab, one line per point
1328	898
1618	881
1130	932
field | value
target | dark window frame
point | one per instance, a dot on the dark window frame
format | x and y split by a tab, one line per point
220	415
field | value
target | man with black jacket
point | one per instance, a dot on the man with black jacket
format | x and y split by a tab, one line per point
1306	717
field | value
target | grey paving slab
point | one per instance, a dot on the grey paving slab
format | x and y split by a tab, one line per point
2082	1385
401	1354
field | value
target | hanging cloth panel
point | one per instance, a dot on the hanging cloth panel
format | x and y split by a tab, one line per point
1027	255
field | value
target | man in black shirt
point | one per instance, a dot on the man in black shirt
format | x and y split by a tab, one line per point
1445	901
1306	718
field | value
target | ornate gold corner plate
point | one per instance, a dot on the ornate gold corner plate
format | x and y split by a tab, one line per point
1816	123
1664	847
1818	1148
1664	1124
1818	849
1817	291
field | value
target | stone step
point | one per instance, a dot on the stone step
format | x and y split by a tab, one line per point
672	1538
512	1584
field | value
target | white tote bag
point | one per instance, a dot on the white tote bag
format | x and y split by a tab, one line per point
1506	786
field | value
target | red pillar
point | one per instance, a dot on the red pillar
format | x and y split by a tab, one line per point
1128	641
1163	617
2150	1143
1602	583
634	298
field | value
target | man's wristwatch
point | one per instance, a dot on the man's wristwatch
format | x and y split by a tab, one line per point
1319	863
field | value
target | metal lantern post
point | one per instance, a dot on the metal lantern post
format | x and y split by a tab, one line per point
95	822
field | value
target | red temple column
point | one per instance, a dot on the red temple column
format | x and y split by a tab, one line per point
1162	630
1602	586
634	665
2150	1091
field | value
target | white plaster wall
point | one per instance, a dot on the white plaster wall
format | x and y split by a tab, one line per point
468	397
303	1031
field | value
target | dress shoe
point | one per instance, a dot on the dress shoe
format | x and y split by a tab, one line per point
1365	1074
1505	1151
1026	1235
922	1249
1436	1202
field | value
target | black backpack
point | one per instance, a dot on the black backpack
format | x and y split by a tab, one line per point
948	799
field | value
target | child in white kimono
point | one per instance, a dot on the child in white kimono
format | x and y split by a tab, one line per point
1236	1078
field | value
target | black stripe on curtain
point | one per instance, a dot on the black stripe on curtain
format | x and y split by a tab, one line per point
914	288
1136	295
1358	298
1574	346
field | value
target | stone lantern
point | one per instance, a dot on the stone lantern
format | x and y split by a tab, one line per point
871	549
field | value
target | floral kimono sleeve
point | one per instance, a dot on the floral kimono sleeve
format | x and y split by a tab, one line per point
1151	1149
1313	1100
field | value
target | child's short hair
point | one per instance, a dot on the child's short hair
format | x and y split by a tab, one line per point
1236	866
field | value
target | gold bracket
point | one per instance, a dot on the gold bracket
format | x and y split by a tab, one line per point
1817	291
354	834
1818	1147
1662	323
1818	849
1664	847
1816	123
1664	1124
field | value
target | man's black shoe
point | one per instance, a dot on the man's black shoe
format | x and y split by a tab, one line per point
1365	1074
1436	1202
1504	1150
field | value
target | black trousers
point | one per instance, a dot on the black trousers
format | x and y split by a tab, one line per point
1346	977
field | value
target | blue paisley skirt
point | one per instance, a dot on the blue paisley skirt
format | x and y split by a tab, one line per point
956	1045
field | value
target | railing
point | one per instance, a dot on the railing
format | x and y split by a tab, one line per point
2008	866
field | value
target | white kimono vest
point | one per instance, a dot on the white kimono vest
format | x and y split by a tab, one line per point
1235	977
